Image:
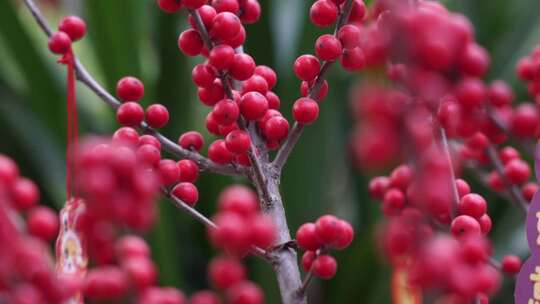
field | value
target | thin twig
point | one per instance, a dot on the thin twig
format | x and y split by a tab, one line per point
455	194
296	130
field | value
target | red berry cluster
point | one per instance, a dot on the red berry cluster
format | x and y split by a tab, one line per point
26	272
528	70
70	29
317	238
240	223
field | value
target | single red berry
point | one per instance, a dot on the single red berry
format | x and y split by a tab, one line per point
226	6
500	93
105	283
305	111
130	114
189	170
306	237
239	199
463	187
474	60
203	75
226	112
393	201
245	293
9	172
325	267
149	155
169	172
157	116
529	190
126	136
273	100
218	152
349	35
149	140
345	236
378	186
186	192
511	264
328	47
131	246
517	171
43	223
253	105
207	14
212	94
465	225
204	297
211	125
327	229
485	223
25	193
225	26
525	69
268	74
190	42
305	88
472	205
353	59
307	67
169	6
129	89
251	11
255	83
221	57
236	41
276	128
74	26
263	231
225	272
401	177
59	43
525	120
307	260
471	92
191	140
242	67
323	13
238	142
194	4
141	272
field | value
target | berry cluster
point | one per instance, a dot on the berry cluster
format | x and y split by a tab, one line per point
528	70
70	29
328	232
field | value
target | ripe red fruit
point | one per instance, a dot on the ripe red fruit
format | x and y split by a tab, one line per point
472	205
204	297
149	155
221	57
226	6
528	190
463	187
377	187
255	83
305	111
485	223
207	14
245	293
169	172
203	75
393	201
189	170
349	35
353	59
251	11
226	112
517	171
186	192
149	140
470	92
157	116
465	225
511	264
345	236
238	142
212	94
131	246
190	42
263	231
323	13
327	229
500	93
8	170
211	125
242	67
276	128
307	67
140	271
43	223
525	120
253	105
59	43
130	114
74	26
268	74
191	140
307	260
105	283
233	233
194	4
474	60
328	47
129	89
325	267
225	26
126	136
305	87
155	295
238	199
273	100
218	152
24	192
306	236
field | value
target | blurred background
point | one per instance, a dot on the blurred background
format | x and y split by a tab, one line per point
136	38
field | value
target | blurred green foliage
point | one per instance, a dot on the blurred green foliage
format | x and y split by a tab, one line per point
138	39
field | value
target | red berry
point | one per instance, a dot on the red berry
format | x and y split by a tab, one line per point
253	105
130	114
226	6
238	40
59	43
186	192
212	94
204	297
238	142
194	4
485	223
189	170
149	140
465	225
218	152
345	237
472	205
470	92
25	193
323	13
525	120
394	200
378	186
8	171
529	189
74	26
463	187
328	47
207	14
157	116
131	246
358	11
511	264
307	260
203	75
169	172
211	125
149	155
268	74
126	136
305	87
500	93
245	293
255	83
221	57
276	128
105	283
129	89
238	199
191	140
475	60
327	229
307	67
349	35
43	223
233	233
273	100
325	267
155	295
305	111
306	237
517	171
141	272
190	42
226	112
242	67
353	59
251	11
225	26
263	231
